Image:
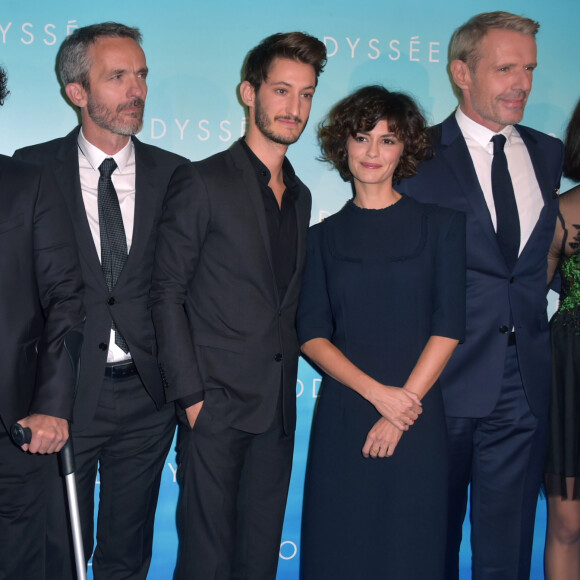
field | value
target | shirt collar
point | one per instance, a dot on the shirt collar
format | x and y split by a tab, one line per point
480	134
263	173
95	156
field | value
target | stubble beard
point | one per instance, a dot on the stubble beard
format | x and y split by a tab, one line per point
112	121
264	125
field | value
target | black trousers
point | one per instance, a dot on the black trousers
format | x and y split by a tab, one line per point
128	441
23	507
233	490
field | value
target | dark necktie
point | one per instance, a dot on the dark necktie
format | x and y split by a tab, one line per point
113	239
506	209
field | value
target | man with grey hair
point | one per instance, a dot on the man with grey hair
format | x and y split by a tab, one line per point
496	386
113	186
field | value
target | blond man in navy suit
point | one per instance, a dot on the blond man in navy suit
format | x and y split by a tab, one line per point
497	383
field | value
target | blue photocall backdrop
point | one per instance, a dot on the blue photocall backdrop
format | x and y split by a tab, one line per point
195	51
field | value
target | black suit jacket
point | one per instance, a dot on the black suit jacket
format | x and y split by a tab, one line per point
472	379
223	332
40	295
126	304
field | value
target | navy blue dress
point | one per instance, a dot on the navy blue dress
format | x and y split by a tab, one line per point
378	284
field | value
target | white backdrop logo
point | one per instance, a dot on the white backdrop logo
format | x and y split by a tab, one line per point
202	130
28	33
313	393
415	49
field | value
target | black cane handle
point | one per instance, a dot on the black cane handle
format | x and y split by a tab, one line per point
20	435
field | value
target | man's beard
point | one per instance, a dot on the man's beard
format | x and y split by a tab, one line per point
105	118
264	125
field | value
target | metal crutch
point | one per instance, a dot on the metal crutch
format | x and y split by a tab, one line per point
21	435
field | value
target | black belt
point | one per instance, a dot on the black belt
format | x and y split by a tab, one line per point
121	370
512	339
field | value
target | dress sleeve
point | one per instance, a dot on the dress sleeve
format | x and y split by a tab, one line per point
314	317
448	317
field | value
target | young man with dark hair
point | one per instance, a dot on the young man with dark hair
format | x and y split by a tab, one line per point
230	252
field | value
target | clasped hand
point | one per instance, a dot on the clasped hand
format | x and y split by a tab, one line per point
381	440
397	405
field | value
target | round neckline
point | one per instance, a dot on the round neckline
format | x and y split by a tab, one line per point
380	210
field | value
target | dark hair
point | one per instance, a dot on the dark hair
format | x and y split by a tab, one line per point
572	142
74	64
4	92
292	45
361	111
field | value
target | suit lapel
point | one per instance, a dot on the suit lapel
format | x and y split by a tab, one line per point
539	164
66	172
544	183
145	200
456	154
300	250
252	189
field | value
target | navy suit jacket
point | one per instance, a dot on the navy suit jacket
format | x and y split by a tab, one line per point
495	295
40	295
224	334
126	304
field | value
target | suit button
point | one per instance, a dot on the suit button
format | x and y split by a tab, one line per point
512	280
504	329
278	357
103	346
111	301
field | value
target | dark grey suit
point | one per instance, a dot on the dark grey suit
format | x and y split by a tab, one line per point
129	476
40	302
225	336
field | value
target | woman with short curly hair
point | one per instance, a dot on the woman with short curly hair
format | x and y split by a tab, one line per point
382	310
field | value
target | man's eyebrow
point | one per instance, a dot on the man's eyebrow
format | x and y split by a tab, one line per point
287	84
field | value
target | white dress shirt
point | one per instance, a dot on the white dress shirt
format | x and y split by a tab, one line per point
90	158
526	189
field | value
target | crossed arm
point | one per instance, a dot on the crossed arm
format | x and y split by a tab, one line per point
399	407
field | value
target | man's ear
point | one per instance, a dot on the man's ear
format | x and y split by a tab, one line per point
77	94
248	94
461	74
